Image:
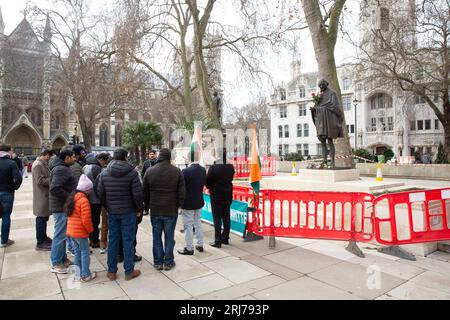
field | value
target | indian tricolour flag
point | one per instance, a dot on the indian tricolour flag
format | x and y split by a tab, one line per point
255	164
196	144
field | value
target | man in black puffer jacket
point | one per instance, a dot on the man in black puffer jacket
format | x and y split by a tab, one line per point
62	183
10	181
164	194
120	192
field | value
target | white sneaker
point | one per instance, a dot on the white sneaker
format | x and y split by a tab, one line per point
103	251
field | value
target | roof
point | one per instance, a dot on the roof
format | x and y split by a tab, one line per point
24	37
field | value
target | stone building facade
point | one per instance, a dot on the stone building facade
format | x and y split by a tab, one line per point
379	115
33	113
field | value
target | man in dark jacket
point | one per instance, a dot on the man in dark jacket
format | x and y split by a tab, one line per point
10	181
194	178
62	183
164	194
92	170
149	163
219	181
120	192
77	168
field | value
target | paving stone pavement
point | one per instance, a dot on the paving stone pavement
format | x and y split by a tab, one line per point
295	269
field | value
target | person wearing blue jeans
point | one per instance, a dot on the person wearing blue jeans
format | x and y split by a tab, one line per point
121	226
58	254
62	183
70	248
120	192
164	193
163	255
82	257
7	201
10	181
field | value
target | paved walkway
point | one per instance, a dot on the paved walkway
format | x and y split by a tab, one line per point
296	269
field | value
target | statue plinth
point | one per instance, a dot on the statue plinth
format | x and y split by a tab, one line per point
329	175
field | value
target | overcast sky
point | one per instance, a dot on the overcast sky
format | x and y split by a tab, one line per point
236	93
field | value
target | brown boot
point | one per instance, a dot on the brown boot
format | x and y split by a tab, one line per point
134	274
111	276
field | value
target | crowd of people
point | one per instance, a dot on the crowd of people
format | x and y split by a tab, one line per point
98	202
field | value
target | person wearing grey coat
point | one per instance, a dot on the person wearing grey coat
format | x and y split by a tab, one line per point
41	208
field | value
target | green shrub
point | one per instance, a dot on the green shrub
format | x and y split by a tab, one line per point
388	154
293	157
418	156
363	153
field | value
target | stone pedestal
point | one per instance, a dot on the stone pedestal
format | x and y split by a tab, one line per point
329	175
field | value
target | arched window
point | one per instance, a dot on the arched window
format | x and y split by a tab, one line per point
104	135
58	120
119	136
380	101
282	94
11	114
35	116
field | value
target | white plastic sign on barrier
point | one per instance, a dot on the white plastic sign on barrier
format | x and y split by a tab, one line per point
417	197
445	194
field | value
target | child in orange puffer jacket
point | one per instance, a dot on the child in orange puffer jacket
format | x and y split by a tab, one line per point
79	226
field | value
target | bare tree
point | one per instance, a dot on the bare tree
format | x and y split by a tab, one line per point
412	51
323	17
162	31
156	38
86	71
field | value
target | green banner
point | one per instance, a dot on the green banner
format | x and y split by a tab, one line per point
238	215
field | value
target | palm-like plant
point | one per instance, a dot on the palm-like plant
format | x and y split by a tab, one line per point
140	137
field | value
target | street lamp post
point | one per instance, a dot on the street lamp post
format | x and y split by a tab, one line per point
355	103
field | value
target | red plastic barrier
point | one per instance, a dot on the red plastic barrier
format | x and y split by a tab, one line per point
242	167
412	217
314	215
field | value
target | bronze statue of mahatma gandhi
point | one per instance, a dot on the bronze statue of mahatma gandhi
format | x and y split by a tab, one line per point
328	118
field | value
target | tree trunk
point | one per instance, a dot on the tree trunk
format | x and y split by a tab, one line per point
200	65
86	129
447	130
136	155
143	153
187	94
324	42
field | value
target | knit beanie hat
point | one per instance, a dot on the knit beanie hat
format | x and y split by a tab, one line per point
84	184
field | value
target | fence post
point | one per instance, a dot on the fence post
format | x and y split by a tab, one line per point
396	251
250	235
272	242
353	248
